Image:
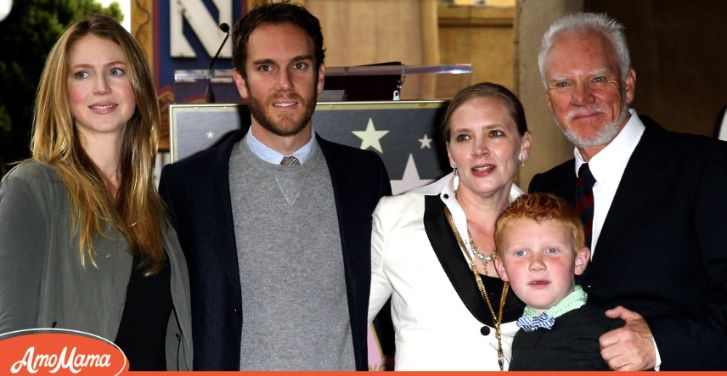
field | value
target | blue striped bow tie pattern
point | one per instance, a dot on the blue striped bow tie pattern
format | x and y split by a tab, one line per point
530	324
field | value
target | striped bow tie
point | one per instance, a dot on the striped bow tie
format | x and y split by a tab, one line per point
530	324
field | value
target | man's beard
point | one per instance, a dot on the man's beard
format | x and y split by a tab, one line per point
606	135
279	127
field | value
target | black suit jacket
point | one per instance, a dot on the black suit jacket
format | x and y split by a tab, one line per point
197	193
662	251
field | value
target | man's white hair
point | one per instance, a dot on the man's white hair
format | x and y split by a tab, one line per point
584	23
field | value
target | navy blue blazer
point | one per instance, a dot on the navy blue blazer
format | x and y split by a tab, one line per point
662	251
197	194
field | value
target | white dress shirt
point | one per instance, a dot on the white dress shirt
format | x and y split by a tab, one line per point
607	167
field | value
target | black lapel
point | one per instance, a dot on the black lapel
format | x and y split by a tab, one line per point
347	204
644	173
355	247
450	256
220	223
215	208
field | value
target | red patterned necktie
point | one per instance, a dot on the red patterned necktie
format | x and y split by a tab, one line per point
584	200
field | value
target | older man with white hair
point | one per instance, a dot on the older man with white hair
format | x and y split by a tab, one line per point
652	203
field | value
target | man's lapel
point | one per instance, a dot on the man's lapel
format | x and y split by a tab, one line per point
218	205
644	173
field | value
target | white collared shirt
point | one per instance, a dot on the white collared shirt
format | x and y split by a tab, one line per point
607	167
272	156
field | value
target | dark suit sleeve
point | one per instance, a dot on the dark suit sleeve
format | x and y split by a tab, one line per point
165	191
384	182
559	181
536	184
697	337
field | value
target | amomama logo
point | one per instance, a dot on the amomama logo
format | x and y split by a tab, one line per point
59	352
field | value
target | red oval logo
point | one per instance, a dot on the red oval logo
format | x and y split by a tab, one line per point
59	352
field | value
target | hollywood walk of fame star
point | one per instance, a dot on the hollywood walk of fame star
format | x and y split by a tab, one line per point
410	180
371	137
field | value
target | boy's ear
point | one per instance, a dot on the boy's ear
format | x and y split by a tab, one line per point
583	256
500	267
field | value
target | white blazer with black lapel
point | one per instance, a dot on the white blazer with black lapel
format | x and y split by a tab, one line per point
440	319
662	251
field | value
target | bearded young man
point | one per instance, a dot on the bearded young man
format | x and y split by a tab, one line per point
275	222
655	212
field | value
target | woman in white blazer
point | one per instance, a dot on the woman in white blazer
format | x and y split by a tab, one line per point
432	249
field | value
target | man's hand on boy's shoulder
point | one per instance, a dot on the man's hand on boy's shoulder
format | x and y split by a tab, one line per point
631	347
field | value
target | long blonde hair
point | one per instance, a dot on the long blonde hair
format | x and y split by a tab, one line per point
137	211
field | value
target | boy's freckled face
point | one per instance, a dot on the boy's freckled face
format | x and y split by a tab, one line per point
539	260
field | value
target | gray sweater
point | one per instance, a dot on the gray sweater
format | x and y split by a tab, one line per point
291	265
42	282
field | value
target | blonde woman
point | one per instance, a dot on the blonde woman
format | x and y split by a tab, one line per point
432	249
84	241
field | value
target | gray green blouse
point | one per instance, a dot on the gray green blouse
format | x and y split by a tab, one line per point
42	282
